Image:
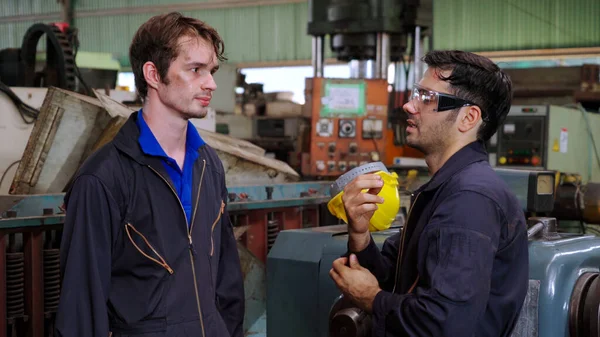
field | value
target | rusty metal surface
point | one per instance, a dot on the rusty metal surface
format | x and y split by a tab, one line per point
3	309
591	203
67	128
28	210
567	205
37	148
574	201
51	280
34	286
15	285
278	195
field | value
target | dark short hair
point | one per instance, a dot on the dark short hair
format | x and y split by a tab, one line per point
156	41
479	80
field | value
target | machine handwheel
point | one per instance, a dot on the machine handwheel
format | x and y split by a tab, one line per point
346	320
591	309
584	306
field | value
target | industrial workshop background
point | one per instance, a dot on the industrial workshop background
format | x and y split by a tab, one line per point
66	87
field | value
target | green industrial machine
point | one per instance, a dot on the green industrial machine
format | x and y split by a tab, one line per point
550	137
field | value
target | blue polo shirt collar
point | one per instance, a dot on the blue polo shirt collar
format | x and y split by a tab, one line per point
181	179
151	147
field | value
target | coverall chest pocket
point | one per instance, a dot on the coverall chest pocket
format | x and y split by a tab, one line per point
151	254
215	230
215	243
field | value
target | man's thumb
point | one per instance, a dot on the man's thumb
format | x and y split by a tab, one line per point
354	261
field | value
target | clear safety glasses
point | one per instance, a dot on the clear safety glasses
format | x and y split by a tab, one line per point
422	96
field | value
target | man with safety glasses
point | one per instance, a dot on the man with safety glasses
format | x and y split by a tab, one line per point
460	265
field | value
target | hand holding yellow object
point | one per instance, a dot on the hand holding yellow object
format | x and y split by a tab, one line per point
367	197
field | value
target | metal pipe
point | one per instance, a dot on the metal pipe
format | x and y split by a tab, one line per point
545	225
399	76
370	69
360	69
531	232
321	56
354	68
313	58
378	55
353	64
317	55
385	54
417	48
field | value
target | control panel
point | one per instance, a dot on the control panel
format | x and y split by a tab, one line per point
348	120
522	141
523	138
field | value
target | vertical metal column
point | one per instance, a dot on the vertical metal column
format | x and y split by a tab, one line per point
3	313
256	238
378	56
273	221
34	284
385	54
360	69
318	55
417	72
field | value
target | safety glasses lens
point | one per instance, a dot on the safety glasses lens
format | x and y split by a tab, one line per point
424	97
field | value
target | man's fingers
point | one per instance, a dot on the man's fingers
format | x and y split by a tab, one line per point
374	191
367	181
367	198
359	199
357	212
340	264
335	277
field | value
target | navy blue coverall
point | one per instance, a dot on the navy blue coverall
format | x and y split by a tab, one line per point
461	267
131	261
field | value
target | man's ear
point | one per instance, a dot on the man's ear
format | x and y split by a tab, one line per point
470	119
151	75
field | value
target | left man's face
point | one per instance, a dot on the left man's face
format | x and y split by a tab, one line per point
189	84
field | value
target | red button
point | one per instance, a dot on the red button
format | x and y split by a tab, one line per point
535	160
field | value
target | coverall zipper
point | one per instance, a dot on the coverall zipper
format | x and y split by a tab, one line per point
401	250
212	229
189	232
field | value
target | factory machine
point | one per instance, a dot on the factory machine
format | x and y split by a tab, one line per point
352	120
552	138
564	289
